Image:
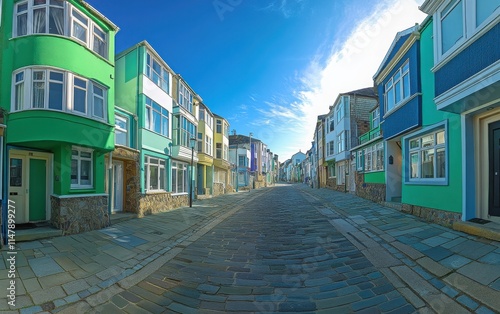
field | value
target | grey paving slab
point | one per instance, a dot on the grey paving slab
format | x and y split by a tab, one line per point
44	266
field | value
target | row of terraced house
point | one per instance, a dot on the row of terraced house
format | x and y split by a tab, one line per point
85	132
426	137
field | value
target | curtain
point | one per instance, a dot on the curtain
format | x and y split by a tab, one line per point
19	96
79	31
39	21
56	21
22	24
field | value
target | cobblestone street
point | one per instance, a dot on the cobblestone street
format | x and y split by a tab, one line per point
287	248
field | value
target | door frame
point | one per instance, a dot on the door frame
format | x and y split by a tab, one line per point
491	155
26	156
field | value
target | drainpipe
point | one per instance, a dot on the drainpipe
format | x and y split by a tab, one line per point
110	185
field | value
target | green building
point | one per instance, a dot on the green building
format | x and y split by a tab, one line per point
432	154
57	83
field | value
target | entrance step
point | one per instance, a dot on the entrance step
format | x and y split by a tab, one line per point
117	217
43	231
479	227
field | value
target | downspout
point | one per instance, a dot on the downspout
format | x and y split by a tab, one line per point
110	186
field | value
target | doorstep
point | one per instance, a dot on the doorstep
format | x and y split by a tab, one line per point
479	227
117	217
39	232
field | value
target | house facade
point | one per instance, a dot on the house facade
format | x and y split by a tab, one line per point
222	166
239	155
58	106
464	61
205	166
347	119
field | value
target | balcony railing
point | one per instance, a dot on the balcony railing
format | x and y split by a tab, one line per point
374	133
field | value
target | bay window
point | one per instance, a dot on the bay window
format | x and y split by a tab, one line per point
81	167
157	73
59	17
185	97
397	88
52	89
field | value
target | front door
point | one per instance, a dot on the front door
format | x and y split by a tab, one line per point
118	186
494	169
37	191
17	187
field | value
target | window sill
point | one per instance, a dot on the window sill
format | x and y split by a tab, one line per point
148	192
441	182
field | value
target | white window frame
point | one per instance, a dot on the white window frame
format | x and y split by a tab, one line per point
341	142
79	159
176	167
119	129
373	158
340	112
68	24
149	162
471	30
67	96
163	76
149	115
375	117
330	148
390	87
185	97
360	163
432	130
208	145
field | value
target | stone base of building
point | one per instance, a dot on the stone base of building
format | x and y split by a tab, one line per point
437	216
218	189
371	191
79	214
332	184
160	202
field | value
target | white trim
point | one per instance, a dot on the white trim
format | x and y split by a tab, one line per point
79	149
79	195
470	32
478	81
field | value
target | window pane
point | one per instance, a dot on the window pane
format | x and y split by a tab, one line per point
22	24
484	8
85	172
428	163
85	154
180	181
164	126
162	178
452	26
156	121
440	138
174	180
56	21
98	107
153	177
38	91
55	95
39	21
397	90
19	97
428	141
440	163
16	172
414	144
74	171
390	99
79	99
148	115
414	165
79	32
120	138
406	86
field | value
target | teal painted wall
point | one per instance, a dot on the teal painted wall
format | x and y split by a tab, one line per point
375	177
127	81
448	197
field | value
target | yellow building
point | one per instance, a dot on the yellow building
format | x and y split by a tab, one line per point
222	166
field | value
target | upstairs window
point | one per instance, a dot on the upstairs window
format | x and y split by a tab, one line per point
460	20
185	97
58	90
375	117
397	88
157	118
208	145
121	130
218	126
59	17
218	150
157	73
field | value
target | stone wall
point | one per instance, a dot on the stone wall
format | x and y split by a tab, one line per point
372	191
218	189
331	183
437	216
79	214
153	203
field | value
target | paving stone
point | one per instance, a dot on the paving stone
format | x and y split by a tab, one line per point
437	253
491	258
482	273
468	302
455	261
44	266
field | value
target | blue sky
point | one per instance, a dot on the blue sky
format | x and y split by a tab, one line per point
268	66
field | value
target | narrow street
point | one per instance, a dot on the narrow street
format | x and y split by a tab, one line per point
294	249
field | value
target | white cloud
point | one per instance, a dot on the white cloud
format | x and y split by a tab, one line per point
349	66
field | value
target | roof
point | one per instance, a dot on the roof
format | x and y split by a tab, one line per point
367	91
241	139
100	15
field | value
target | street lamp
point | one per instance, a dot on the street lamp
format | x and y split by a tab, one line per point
192	143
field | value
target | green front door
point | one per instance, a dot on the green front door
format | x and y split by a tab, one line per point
37	189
